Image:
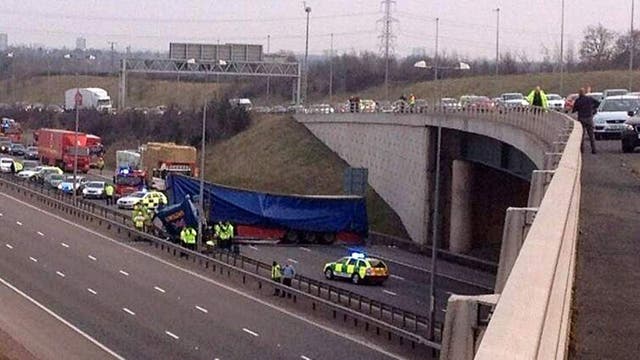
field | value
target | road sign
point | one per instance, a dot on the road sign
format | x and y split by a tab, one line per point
78	98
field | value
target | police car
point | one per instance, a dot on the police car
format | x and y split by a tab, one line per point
358	268
153	198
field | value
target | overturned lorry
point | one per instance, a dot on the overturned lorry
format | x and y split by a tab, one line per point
287	218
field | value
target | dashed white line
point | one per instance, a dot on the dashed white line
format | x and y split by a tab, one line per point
19	223
92	257
129	311
304	357
292	260
64	245
60	274
33	259
41	234
250	332
124	273
92	291
159	289
9	246
253	247
389	292
202	309
396	277
172	335
305	249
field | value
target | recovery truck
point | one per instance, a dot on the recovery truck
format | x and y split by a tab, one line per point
287	218
59	148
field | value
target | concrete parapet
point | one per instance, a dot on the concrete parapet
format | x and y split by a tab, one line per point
540	180
516	226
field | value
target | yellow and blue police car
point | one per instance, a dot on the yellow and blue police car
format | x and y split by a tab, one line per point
358	268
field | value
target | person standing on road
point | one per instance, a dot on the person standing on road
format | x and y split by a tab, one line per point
276	275
100	164
288	273
108	194
586	106
537	98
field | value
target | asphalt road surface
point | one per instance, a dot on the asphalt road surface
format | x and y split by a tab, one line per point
143	307
607	290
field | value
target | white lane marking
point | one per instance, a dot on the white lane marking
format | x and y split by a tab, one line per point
129	311
41	234
389	292
62	320
9	246
246	295
172	334
250	332
253	247
202	309
292	260
304	357
33	259
159	289
92	257
305	249
60	274
397	277
19	223
64	245
92	291
124	273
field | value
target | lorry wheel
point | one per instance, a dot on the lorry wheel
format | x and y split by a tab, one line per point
328	238
328	274
292	237
355	279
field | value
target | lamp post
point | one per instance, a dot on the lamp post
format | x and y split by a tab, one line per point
77	104
562	49
632	45
497	10
436	208
307	9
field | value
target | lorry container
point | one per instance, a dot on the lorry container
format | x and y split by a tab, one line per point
59	148
96	150
161	159
92	98
289	218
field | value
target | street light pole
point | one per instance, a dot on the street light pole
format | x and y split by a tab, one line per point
632	45
434	238
75	142
497	10
436	59
200	243
562	49
331	71
307	9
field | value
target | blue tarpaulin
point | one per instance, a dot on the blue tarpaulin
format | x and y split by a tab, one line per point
177	216
330	214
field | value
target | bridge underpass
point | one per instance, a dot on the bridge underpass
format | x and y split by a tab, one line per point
481	174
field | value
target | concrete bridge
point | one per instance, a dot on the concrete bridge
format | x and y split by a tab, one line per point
487	164
529	160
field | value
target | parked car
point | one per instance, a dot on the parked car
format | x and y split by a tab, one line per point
612	115
67	185
94	189
44	171
31	153
5	146
129	201
53	180
512	101
320	109
481	103
29	165
598	96
17	150
614	92
449	104
5	164
568	102
555	102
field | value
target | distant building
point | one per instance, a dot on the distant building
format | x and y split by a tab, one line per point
4	42
81	44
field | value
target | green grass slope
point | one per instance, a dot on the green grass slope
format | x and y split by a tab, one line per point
276	154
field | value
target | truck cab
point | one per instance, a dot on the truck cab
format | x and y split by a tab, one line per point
128	181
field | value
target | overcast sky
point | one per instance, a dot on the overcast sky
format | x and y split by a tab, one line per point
467	26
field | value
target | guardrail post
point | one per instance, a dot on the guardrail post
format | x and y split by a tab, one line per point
463	330
517	223
540	180
558	146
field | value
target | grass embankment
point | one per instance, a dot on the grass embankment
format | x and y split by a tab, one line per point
277	154
492	86
140	92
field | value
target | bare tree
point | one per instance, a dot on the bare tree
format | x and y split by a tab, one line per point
596	49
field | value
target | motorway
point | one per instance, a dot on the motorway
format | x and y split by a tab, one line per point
139	306
407	288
